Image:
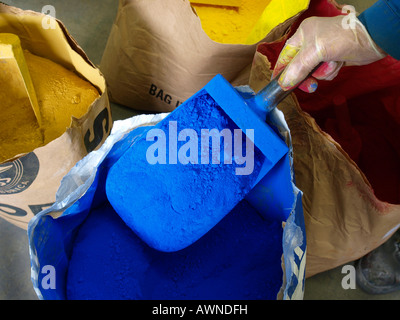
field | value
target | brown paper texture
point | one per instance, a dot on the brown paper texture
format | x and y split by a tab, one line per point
344	220
158	55
28	183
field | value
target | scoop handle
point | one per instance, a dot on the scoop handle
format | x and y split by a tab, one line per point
273	94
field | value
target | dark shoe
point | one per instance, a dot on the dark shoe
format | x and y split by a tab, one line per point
378	272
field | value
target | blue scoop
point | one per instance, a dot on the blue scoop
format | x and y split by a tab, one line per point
183	175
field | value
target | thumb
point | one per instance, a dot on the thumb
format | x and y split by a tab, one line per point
289	51
300	68
287	54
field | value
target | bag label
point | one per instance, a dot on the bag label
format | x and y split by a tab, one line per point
100	129
9	210
18	175
164	97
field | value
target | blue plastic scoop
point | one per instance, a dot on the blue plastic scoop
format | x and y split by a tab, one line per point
183	175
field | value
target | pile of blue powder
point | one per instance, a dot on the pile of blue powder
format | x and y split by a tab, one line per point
240	258
117	255
175	203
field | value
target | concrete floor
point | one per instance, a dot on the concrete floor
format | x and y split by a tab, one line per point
89	22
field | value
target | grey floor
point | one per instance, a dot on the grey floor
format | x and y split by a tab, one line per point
89	22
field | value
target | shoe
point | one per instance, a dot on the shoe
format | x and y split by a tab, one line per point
378	272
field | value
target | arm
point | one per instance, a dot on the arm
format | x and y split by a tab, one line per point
382	21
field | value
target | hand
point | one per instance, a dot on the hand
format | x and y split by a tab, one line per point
322	39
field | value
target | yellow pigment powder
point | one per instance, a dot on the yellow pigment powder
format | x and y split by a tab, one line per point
60	93
230	24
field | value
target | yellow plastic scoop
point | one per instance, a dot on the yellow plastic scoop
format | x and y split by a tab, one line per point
15	81
225	3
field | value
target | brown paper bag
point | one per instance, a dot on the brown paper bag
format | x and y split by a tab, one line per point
158	55
344	219
28	183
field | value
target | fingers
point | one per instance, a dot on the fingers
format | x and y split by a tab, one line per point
309	85
328	70
300	67
286	56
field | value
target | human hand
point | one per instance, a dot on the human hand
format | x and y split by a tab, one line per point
323	39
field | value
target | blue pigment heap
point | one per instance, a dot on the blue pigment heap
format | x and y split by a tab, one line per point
170	206
240	258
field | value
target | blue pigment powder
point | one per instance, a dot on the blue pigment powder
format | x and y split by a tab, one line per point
171	205
240	258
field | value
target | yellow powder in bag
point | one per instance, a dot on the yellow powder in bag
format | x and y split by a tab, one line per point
276	12
16	89
60	93
230	24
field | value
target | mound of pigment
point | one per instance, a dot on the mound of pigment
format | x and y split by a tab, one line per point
171	203
240	258
19	105
227	24
61	94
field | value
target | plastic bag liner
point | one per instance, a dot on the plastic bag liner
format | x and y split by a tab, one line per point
52	232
